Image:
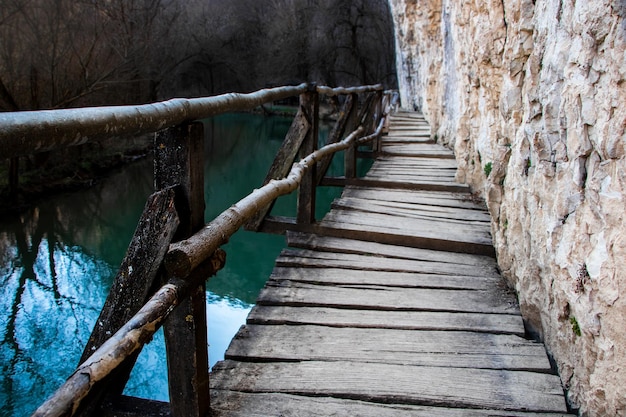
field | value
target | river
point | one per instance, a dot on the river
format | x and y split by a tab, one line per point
57	262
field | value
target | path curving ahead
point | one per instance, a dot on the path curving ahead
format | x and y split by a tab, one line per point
394	308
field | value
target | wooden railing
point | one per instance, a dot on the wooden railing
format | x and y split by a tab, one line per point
171	232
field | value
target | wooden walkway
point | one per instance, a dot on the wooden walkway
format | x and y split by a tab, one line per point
395	307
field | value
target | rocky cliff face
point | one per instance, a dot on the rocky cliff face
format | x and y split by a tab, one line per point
531	95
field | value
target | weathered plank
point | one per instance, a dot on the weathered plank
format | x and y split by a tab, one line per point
414	177
419	385
410	185
414	221
226	403
388	269
333	244
414	210
387	346
387	319
417	153
421	136
383	228
375	275
442	199
379	297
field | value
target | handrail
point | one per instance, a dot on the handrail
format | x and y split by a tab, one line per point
191	261
27	132
184	257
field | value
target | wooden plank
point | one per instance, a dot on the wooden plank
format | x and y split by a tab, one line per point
414	177
280	343
418	146
408	137
386	319
432	198
376	276
413	220
433	273
435	386
228	403
398	237
452	231
414	210
416	153
434	163
373	297
333	244
411	185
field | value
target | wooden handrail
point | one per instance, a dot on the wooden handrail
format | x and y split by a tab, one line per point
28	132
184	256
191	261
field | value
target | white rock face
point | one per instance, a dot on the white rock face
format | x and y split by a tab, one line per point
536	90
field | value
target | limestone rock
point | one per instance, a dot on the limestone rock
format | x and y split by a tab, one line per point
536	89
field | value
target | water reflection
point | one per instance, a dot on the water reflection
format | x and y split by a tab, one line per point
55	270
57	262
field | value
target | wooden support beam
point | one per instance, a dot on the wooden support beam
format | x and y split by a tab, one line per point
179	161
135	282
344	123
309	103
283	162
350	153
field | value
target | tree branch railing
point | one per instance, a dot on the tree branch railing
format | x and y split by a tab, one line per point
171	232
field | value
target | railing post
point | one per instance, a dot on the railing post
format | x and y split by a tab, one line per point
350	153
179	161
377	113
309	103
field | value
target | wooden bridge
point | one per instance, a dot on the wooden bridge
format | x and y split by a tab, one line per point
391	305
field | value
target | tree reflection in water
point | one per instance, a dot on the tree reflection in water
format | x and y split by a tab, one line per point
57	262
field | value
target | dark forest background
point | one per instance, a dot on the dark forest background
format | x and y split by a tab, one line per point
69	53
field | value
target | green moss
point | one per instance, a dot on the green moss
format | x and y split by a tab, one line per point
487	168
575	326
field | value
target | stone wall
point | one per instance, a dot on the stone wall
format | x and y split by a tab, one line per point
531	96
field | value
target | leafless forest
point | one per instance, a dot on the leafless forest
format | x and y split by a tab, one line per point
68	53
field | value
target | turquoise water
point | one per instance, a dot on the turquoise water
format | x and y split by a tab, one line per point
57	262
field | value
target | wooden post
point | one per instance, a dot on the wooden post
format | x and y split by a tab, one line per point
136	281
376	115
350	153
343	124
309	103
179	161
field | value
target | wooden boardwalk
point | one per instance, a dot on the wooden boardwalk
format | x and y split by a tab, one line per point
394	307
